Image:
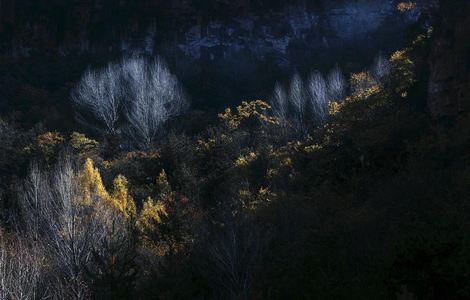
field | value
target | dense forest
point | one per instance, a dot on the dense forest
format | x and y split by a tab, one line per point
119	180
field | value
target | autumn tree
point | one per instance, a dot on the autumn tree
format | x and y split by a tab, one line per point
83	229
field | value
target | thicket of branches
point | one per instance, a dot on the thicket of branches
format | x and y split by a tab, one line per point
132	98
306	102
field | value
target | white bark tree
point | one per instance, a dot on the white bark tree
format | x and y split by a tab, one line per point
280	102
306	103
317	89
142	88
99	93
296	94
20	269
298	101
77	238
53	216
154	95
336	85
381	69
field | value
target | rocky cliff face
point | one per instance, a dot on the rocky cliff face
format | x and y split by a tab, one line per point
449	84
276	32
222	50
123	27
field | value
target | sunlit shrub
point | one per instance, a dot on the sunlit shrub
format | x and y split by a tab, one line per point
406	6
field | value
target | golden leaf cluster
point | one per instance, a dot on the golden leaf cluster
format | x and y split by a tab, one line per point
245	110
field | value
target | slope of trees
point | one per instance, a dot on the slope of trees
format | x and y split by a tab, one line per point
341	189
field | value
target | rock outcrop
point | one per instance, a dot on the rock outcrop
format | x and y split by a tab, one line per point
229	29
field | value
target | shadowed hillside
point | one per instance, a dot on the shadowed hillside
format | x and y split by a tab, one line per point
126	176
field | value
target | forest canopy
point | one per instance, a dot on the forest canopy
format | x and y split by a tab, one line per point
340	184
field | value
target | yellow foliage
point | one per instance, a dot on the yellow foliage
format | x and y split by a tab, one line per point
286	162
48	140
245	160
282	156
261	198
247	110
334	108
121	199
360	77
421	38
363	85
404	69
46	145
143	154
401	56
81	143
150	215
312	148
107	164
271	173
366	93
91	186
91	183
206	145
163	185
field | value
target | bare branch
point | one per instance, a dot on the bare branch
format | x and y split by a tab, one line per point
336	85
154	96
279	102
381	69
99	93
318	97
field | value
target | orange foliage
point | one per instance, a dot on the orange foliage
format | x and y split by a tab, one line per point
406	6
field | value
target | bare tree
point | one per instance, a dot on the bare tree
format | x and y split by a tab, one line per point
280	102
307	103
297	100
154	95
148	90
230	258
20	269
84	242
336	85
296	94
53	215
99	93
318	97
381	69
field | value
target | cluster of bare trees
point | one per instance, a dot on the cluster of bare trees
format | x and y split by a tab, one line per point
64	247
62	227
306	102
20	268
133	98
